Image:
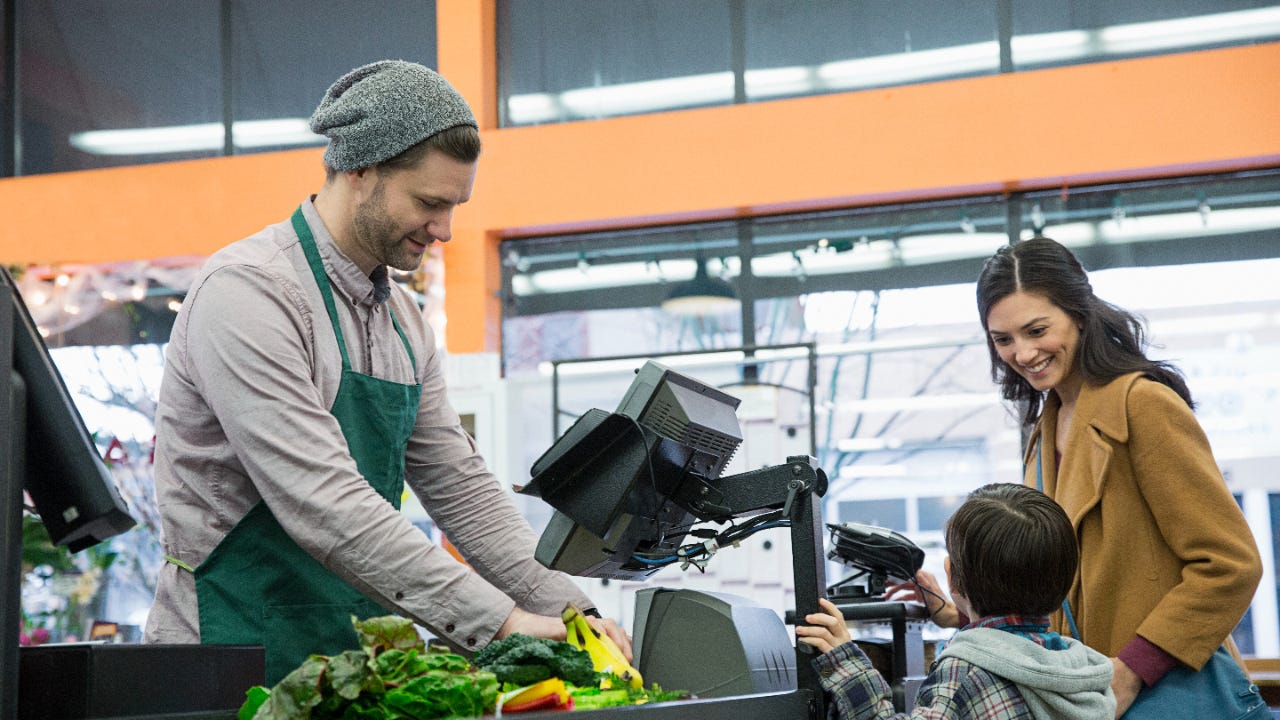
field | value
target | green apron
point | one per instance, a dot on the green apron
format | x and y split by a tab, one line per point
258	586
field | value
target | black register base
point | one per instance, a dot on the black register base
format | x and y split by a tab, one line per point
187	682
85	680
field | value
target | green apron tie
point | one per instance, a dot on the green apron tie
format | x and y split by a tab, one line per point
258	586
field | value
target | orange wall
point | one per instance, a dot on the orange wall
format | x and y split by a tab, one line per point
1205	111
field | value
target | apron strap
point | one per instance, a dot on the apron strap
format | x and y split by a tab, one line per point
175	561
322	281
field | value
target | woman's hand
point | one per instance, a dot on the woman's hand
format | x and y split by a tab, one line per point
943	612
826	630
1125	683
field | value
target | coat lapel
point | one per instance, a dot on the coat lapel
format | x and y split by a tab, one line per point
1100	424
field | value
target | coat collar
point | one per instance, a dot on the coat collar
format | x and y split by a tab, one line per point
1100	423
1101	407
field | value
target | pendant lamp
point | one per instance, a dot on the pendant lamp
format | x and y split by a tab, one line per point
703	295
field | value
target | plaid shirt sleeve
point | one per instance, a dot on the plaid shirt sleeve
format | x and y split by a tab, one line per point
954	689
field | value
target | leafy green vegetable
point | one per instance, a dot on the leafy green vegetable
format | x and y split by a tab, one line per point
591	698
393	677
520	659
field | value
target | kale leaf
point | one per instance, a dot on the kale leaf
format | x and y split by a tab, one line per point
520	659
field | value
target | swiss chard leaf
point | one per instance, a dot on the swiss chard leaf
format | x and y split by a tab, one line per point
254	698
349	675
389	632
293	697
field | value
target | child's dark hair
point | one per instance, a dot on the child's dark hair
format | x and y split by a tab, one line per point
1013	551
1111	339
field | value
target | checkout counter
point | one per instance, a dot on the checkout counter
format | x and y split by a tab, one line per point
626	487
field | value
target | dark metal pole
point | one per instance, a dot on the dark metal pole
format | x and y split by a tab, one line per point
1004	34
746	296
810	574
738	50
13	440
11	147
228	81
555	401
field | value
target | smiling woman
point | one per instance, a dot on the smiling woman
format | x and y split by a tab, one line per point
1117	446
1037	340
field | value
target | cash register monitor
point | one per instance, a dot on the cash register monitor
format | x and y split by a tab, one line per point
61	469
711	644
616	479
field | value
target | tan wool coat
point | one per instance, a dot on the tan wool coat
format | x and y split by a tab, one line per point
1165	552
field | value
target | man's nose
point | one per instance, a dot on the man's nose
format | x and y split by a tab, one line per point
441	227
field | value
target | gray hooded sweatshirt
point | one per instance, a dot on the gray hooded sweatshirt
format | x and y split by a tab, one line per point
1069	684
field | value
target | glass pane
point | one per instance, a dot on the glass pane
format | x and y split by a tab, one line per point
831	45
890	514
564	60
145	70
288	52
1052	32
935	511
884	247
1162	223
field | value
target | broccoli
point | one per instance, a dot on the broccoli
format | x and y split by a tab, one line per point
523	660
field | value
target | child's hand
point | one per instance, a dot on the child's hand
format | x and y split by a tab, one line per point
826	630
941	611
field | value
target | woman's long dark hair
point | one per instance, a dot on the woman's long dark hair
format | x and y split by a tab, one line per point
1112	341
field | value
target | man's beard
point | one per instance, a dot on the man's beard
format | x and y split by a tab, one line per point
379	236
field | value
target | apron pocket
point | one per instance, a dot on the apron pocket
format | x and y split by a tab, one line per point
294	632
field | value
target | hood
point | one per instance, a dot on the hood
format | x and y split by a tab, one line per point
1069	684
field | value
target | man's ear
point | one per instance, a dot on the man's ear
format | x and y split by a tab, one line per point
362	181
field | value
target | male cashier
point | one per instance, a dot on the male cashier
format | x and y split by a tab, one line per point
301	391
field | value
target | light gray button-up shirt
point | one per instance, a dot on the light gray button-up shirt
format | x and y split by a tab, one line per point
251	371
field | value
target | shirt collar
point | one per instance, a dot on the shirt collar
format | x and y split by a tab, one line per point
1034	628
344	275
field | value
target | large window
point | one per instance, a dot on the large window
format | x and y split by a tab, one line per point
906	418
106	83
1050	32
565	60
89	68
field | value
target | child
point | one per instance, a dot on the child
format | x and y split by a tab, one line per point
1011	560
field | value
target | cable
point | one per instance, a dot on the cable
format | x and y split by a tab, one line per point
699	553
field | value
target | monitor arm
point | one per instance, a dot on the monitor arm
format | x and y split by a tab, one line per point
796	488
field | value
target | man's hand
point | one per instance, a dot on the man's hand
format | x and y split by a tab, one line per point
552	628
614	633
1125	683
826	630
523	621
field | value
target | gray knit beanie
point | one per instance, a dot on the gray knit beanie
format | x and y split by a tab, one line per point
379	110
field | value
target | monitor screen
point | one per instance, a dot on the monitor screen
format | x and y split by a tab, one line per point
61	469
619	482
